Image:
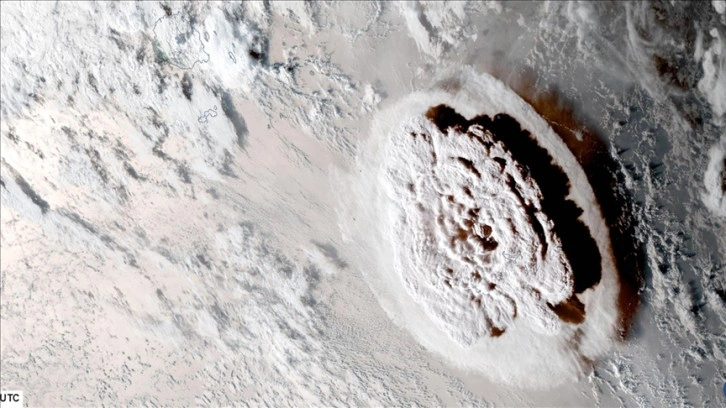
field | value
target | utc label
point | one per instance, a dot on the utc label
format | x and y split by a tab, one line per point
11	399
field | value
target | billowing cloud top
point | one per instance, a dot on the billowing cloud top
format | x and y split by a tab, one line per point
493	249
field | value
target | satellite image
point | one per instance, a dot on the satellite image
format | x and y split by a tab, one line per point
363	203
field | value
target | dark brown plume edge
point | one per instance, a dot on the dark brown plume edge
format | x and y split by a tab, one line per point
604	176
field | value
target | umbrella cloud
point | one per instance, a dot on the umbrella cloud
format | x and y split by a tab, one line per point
486	230
496	243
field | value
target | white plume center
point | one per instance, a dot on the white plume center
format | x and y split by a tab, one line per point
466	248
